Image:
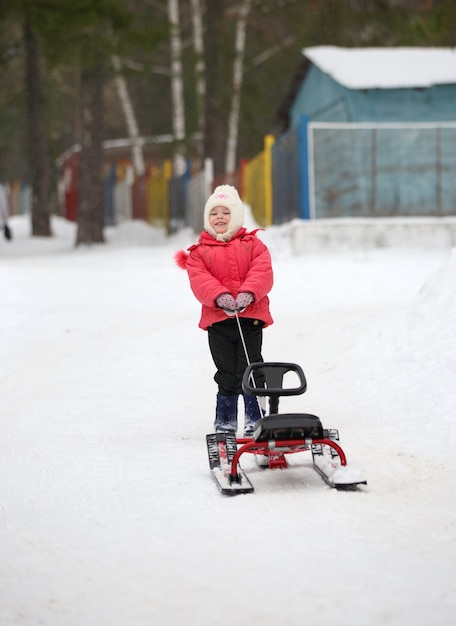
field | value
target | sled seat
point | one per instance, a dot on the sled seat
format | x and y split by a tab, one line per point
288	426
273	380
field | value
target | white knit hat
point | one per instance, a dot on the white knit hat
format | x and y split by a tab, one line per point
227	196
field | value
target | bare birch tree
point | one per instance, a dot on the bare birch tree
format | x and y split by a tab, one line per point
238	72
130	117
200	78
177	89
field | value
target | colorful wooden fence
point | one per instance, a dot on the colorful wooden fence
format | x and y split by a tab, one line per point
257	177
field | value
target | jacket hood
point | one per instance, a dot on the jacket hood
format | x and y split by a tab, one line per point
226	196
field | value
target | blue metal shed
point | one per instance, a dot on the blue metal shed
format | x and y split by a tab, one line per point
377	85
381	130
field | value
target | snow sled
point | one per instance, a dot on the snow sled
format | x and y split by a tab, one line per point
279	434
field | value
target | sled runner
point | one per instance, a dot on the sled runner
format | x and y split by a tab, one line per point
278	435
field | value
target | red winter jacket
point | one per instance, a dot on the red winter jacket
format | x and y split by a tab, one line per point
241	264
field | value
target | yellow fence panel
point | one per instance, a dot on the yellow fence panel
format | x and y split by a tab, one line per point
257	186
158	195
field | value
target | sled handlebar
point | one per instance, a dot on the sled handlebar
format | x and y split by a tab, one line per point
272	374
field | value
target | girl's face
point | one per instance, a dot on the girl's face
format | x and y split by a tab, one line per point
219	218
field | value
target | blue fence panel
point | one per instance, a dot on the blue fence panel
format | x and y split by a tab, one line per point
285	178
177	218
303	155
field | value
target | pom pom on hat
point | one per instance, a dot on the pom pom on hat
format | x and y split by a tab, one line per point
226	196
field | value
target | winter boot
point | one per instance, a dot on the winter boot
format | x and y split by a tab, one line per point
252	413
226	414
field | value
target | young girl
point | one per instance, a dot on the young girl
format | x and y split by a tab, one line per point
230	273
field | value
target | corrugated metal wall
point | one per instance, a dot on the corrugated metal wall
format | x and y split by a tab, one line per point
382	170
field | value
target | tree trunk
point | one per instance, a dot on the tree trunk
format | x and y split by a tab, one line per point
37	138
177	89
200	81
90	204
130	118
214	117
238	72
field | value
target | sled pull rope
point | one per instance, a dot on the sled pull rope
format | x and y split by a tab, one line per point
243	343
251	378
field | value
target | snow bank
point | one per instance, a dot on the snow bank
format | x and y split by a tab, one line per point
409	366
135	233
365	233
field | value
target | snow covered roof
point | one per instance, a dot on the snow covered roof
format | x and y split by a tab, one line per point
385	68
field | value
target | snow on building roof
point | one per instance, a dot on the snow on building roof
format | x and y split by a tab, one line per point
385	68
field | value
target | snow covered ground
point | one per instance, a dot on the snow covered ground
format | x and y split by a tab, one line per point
108	514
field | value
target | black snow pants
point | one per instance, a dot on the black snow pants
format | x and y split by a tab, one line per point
228	353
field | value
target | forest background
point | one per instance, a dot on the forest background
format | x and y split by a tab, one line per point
209	74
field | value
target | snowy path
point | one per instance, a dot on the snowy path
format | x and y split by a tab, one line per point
108	516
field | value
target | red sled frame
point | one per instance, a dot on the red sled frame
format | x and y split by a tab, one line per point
277	435
276	451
